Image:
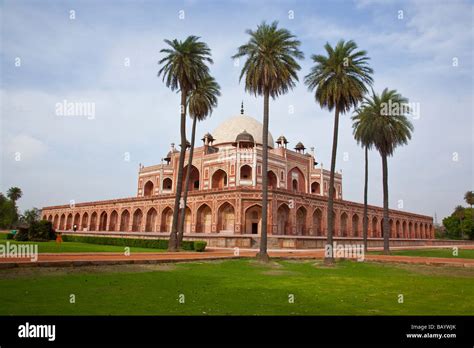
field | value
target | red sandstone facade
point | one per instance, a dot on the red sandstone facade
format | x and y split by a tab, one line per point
225	194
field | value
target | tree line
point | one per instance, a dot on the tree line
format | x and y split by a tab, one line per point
460	224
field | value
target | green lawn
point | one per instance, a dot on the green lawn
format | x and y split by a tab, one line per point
74	247
239	287
448	252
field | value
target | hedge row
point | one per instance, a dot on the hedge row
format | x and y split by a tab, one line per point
135	242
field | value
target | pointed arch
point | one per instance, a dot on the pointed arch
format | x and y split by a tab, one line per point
204	219
283	220
226	218
296	180
317	222
56	221
166	220
77	219
85	221
69	222
193	178
148	189
253	219
246	175
113	220
125	221
219	179
272	180
301	215
93	225
150	225
343	225
315	188
137	220
355	225
103	221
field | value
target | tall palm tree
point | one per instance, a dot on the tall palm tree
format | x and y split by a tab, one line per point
389	129
363	136
184	65
270	70
201	101
340	80
14	193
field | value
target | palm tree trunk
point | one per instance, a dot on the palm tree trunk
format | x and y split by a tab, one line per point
329	257
173	242
365	225
186	183
386	225
263	255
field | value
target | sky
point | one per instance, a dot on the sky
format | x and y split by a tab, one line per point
106	54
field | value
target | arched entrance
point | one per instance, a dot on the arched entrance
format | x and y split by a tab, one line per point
193	178
124	221
69	222
167	185
150	220
317	222
113	221
85	221
283	220
343	225
373	230
77	221
137	220
301	222
219	179
148	189
272	180
226	218
103	221
93	226
166	220
56	221
296	180
246	175
204	219
253	220
315	188
355	225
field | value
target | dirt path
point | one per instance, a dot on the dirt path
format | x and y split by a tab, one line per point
83	259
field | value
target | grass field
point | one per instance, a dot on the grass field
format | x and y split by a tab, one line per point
239	287
448	252
74	247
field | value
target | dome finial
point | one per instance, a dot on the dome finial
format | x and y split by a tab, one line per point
242	108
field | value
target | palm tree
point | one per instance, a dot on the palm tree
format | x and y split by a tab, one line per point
459	212
340	81
270	70
469	198
201	101
363	136
184	65
389	129
14	193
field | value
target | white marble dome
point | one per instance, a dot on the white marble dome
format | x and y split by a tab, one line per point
228	130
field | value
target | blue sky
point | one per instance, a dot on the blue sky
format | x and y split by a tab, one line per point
82	59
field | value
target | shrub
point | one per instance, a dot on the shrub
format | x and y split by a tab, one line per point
200	245
41	231
9	236
22	234
129	242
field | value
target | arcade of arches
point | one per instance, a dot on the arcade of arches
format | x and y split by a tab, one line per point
221	217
